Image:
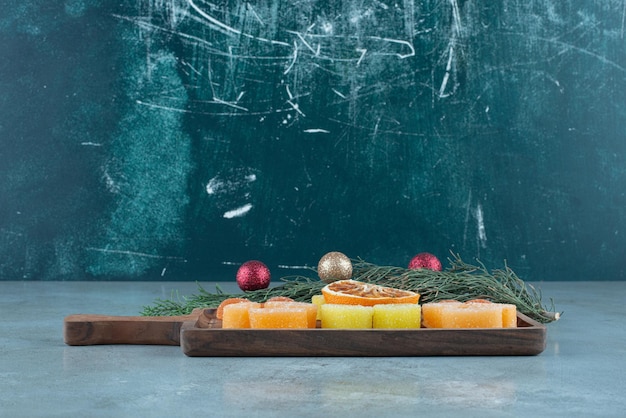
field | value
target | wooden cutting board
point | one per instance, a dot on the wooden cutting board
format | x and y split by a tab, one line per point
208	339
200	334
91	329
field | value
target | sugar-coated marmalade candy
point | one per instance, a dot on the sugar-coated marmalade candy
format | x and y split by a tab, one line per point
509	315
468	315
236	315
318	300
310	308
397	316
478	313
431	313
279	316
346	316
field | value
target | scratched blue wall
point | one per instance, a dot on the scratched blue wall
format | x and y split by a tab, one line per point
176	139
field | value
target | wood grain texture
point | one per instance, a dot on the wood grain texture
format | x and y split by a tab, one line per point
90	329
200	335
528	339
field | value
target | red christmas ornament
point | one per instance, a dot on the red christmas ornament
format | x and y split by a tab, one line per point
253	275
425	261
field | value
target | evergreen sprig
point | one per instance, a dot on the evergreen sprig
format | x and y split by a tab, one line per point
461	281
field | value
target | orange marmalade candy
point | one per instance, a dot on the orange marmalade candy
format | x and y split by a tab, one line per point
311	309
220	309
477	313
278	316
236	315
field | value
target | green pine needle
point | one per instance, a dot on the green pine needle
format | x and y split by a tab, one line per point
461	281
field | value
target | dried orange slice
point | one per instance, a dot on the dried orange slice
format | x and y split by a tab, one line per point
353	292
219	313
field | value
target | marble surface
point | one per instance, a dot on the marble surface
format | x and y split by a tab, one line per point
582	372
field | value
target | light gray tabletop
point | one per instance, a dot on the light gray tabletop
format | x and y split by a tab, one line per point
582	372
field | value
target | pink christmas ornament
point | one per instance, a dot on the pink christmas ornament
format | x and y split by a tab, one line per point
425	261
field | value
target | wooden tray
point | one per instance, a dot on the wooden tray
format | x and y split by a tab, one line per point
205	338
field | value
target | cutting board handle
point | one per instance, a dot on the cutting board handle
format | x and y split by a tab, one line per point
90	329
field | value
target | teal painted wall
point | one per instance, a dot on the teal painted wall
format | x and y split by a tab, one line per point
176	139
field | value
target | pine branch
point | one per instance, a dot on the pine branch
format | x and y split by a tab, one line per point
461	281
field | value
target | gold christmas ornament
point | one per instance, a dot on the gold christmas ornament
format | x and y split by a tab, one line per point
334	266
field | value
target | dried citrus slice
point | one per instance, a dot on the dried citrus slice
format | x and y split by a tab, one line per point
353	292
219	313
